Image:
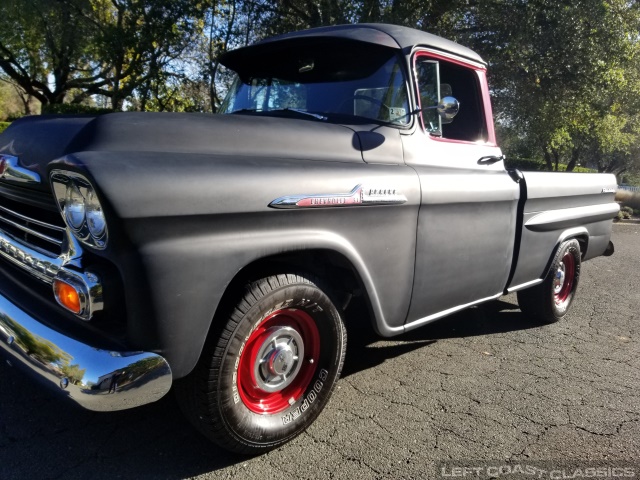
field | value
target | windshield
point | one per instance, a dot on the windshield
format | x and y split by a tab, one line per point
355	79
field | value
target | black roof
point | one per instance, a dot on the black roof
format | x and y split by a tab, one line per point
392	36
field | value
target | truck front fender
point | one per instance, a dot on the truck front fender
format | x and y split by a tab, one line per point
188	278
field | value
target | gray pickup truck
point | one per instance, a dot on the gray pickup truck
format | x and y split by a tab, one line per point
352	176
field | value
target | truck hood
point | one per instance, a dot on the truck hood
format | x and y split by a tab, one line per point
38	140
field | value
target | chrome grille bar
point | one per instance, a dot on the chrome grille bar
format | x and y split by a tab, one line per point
34	262
30	231
32	220
37	233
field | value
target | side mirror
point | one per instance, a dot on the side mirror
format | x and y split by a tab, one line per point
448	107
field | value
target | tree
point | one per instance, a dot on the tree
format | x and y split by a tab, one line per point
560	70
74	373
42	39
92	47
137	40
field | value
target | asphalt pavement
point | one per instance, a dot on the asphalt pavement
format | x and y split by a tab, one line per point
477	395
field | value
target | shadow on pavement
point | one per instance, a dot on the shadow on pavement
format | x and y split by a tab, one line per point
45	437
490	318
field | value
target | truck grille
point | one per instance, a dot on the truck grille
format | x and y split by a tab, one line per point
40	229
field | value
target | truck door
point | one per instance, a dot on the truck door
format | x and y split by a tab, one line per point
467	217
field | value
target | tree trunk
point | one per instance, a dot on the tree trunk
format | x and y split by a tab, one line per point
575	156
370	11
548	161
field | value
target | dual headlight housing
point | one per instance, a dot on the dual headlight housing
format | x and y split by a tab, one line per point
80	207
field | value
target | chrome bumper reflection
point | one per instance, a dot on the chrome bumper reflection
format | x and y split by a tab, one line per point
96	379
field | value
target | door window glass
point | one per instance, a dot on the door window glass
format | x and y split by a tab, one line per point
429	88
439	78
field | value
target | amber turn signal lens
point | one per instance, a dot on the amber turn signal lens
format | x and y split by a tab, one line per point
67	296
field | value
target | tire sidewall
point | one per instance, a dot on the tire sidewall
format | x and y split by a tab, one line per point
263	430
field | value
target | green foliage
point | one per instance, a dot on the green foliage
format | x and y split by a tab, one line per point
630	179
42	39
627	212
14	117
565	77
530	164
565	168
92	47
524	164
45	351
74	373
3	126
74	108
4	94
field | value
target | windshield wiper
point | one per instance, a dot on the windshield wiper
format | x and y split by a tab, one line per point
280	110
303	112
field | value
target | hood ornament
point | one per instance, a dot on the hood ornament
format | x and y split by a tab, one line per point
360	195
11	171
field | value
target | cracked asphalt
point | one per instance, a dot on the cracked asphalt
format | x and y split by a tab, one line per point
482	384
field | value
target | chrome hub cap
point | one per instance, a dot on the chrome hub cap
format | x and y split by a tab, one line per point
559	280
279	359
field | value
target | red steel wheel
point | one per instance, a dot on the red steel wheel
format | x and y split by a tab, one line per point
278	361
550	300
564	278
269	368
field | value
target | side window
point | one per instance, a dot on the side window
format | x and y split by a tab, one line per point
439	78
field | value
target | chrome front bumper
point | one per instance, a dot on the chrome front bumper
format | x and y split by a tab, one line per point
96	379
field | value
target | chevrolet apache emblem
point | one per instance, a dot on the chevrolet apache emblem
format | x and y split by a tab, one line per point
11	171
358	196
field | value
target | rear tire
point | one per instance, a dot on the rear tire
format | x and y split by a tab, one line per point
550	300
271	370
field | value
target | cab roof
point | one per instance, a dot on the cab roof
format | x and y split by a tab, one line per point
391	36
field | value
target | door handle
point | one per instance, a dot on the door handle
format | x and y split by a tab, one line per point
491	159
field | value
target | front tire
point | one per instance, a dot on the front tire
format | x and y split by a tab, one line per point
549	301
272	369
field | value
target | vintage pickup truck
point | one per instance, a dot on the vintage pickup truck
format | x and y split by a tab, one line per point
219	254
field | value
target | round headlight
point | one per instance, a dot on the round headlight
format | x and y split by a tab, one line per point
74	207
80	207
95	217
